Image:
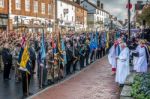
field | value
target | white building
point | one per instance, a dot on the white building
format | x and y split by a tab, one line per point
98	18
66	14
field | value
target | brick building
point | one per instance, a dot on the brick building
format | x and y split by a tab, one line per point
37	14
80	17
3	14
32	14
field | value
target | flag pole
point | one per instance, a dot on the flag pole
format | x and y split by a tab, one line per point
41	77
129	14
27	84
41	80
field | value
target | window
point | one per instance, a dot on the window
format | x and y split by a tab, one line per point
97	12
18	4
2	3
49	9
27	5
35	6
43	8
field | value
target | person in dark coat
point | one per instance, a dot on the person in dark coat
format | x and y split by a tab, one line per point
7	61
82	56
99	48
87	51
103	44
76	54
69	56
32	57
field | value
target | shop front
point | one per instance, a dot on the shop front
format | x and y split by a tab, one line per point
3	22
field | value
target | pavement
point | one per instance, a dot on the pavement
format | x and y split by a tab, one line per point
12	90
93	82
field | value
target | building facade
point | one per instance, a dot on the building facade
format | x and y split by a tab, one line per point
4	14
97	17
33	14
80	18
66	15
71	16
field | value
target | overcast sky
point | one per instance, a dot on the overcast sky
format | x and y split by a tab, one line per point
118	7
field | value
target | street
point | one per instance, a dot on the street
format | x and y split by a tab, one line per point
11	90
74	49
93	82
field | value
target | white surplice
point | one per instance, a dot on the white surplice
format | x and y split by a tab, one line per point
123	68
112	57
135	59
141	64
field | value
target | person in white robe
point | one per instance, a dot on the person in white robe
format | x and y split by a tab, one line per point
141	64
112	59
123	69
113	53
135	58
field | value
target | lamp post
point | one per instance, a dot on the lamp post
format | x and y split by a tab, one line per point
129	14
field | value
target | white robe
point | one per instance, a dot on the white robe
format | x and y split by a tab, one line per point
112	57
135	59
123	68
141	64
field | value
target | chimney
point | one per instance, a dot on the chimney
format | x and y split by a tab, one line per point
102	6
98	3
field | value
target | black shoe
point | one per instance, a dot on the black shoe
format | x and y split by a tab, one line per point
30	94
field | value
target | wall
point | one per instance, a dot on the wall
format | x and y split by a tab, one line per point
31	12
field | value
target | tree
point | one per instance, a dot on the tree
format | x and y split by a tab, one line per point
145	15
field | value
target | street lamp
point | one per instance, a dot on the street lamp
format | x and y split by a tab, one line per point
129	18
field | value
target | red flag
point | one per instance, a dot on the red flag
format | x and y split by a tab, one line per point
129	6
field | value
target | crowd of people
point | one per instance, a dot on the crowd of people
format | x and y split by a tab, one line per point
125	54
64	54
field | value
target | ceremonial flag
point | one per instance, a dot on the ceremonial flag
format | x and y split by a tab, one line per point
117	35
96	40
107	43
42	50
59	48
92	43
63	48
25	60
59	42
22	48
